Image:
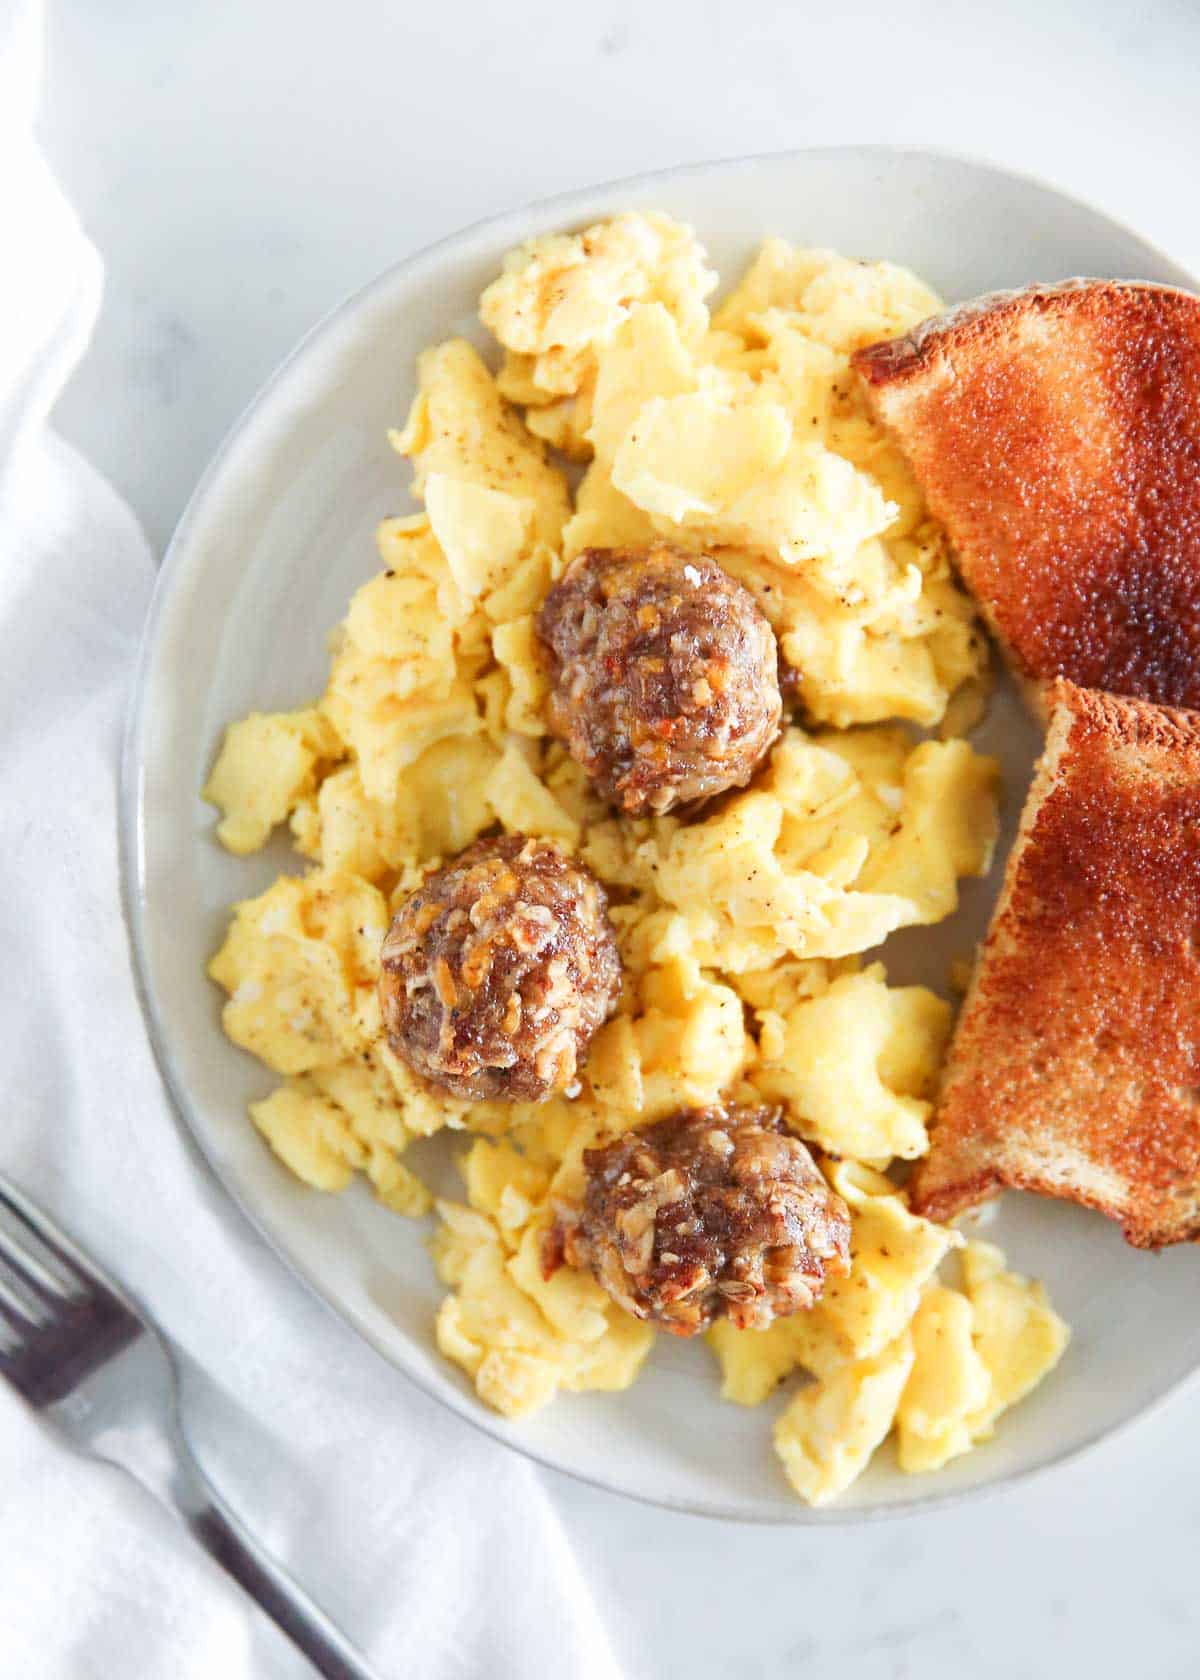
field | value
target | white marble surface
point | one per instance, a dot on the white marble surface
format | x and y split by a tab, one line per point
243	166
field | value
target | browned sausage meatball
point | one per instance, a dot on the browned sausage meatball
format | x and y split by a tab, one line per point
498	970
715	1210
665	684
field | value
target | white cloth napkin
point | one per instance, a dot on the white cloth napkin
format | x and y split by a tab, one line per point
439	1551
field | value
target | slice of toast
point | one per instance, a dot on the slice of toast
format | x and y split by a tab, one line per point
1075	1066
1056	435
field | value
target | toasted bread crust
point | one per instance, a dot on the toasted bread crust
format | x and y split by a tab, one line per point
1075	1066
1056	434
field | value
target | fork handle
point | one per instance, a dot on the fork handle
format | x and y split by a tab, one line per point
210	1520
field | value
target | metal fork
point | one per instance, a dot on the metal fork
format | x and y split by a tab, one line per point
88	1359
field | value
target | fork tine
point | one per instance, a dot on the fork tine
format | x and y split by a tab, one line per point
28	1253
60	1316
32	1243
17	1299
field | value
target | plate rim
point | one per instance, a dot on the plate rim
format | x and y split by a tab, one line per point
131	835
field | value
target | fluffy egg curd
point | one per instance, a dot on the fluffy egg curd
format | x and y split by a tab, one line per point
621	412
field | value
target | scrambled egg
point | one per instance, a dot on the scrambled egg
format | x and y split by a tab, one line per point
742	434
840	841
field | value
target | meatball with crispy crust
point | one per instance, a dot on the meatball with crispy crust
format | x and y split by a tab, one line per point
712	1211
664	676
498	970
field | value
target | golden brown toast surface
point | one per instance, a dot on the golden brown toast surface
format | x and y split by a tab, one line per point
1056	434
1075	1065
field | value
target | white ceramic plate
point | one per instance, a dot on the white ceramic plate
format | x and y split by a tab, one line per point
278	535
